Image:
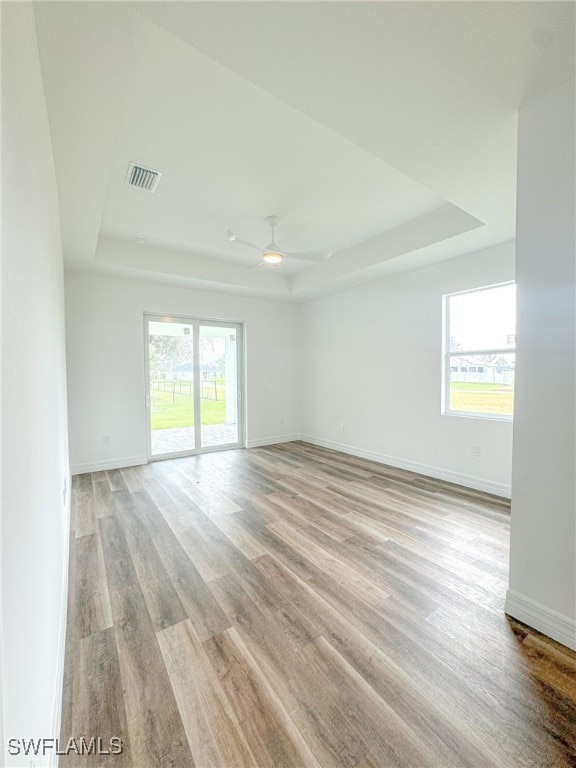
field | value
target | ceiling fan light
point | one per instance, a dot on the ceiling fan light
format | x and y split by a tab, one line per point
272	257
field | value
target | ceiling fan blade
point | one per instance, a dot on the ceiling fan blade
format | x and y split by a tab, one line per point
316	256
235	239
249	244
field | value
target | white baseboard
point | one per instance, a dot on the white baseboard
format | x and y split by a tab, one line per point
57	710
99	466
549	622
469	481
271	440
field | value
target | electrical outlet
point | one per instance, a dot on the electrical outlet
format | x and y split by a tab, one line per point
475	450
106	439
342	426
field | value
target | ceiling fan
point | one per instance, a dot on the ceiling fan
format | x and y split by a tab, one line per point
272	255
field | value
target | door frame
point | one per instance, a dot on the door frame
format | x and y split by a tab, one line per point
195	323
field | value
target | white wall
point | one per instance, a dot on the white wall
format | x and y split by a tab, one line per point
34	455
105	354
543	545
373	361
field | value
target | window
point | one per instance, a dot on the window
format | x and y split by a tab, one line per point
479	352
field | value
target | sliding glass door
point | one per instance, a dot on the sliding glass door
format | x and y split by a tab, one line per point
194	400
219	393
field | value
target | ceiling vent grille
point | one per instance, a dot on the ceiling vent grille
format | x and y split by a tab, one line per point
143	178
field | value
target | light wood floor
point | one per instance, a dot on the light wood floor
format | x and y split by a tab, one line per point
293	606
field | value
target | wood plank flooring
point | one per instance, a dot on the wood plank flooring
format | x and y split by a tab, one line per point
291	606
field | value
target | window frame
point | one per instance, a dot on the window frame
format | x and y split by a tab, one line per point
447	356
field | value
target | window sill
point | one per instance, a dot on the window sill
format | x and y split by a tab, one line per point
482	416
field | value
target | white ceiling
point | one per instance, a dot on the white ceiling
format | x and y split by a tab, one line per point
385	132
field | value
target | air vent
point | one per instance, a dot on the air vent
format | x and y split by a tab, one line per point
143	178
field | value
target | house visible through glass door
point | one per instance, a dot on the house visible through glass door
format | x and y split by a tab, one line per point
194	377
